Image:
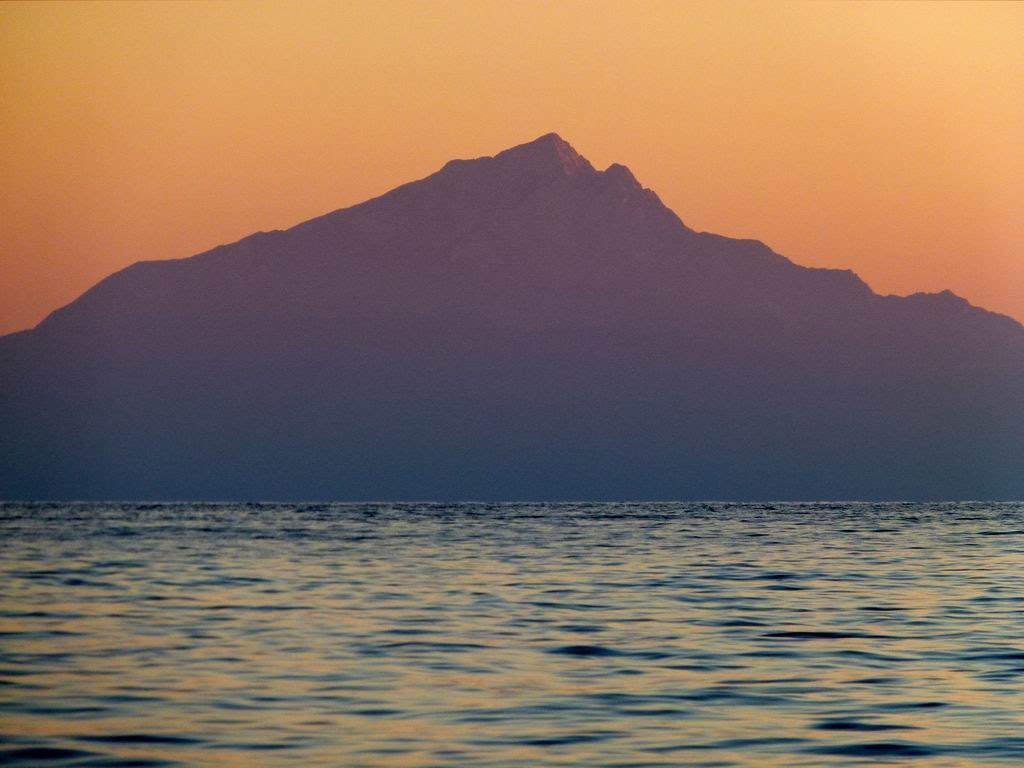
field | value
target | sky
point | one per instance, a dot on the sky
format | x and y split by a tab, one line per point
880	137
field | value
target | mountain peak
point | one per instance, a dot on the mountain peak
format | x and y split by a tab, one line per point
549	151
622	176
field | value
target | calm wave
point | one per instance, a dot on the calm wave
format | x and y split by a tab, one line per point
511	635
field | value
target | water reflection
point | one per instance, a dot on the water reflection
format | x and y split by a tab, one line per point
378	635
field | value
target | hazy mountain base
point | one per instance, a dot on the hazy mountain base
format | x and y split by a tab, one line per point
517	327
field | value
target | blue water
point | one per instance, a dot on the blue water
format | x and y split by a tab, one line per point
512	635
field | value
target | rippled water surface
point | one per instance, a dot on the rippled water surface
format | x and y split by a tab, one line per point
512	635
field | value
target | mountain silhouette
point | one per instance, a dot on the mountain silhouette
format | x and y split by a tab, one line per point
522	326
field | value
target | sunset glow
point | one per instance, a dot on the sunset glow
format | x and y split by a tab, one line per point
886	138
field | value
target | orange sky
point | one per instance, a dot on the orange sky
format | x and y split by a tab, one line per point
887	138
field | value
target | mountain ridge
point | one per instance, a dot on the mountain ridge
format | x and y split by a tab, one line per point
522	325
547	154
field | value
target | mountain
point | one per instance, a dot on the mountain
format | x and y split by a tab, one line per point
521	326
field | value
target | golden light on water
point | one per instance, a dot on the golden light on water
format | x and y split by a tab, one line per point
370	635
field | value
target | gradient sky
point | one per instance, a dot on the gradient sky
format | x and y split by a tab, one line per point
886	138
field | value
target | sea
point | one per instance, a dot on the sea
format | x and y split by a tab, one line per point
520	634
